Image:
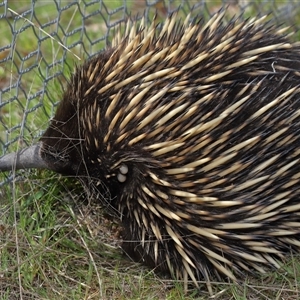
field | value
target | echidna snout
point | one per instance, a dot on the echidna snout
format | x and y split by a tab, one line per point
193	129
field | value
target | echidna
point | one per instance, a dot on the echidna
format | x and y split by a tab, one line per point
193	131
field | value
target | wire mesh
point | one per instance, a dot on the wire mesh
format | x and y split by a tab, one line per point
41	41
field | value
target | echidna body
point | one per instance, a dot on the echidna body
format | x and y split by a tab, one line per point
190	132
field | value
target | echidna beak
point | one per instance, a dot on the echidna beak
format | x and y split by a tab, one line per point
24	159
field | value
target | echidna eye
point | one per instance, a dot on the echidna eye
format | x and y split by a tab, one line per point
123	170
55	155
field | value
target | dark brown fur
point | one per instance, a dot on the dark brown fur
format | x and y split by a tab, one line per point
211	190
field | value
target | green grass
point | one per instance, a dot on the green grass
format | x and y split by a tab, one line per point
54	242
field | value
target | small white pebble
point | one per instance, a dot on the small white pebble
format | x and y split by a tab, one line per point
121	177
124	169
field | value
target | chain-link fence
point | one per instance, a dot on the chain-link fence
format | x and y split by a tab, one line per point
42	40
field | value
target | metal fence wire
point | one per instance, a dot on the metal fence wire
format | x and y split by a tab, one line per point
41	41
